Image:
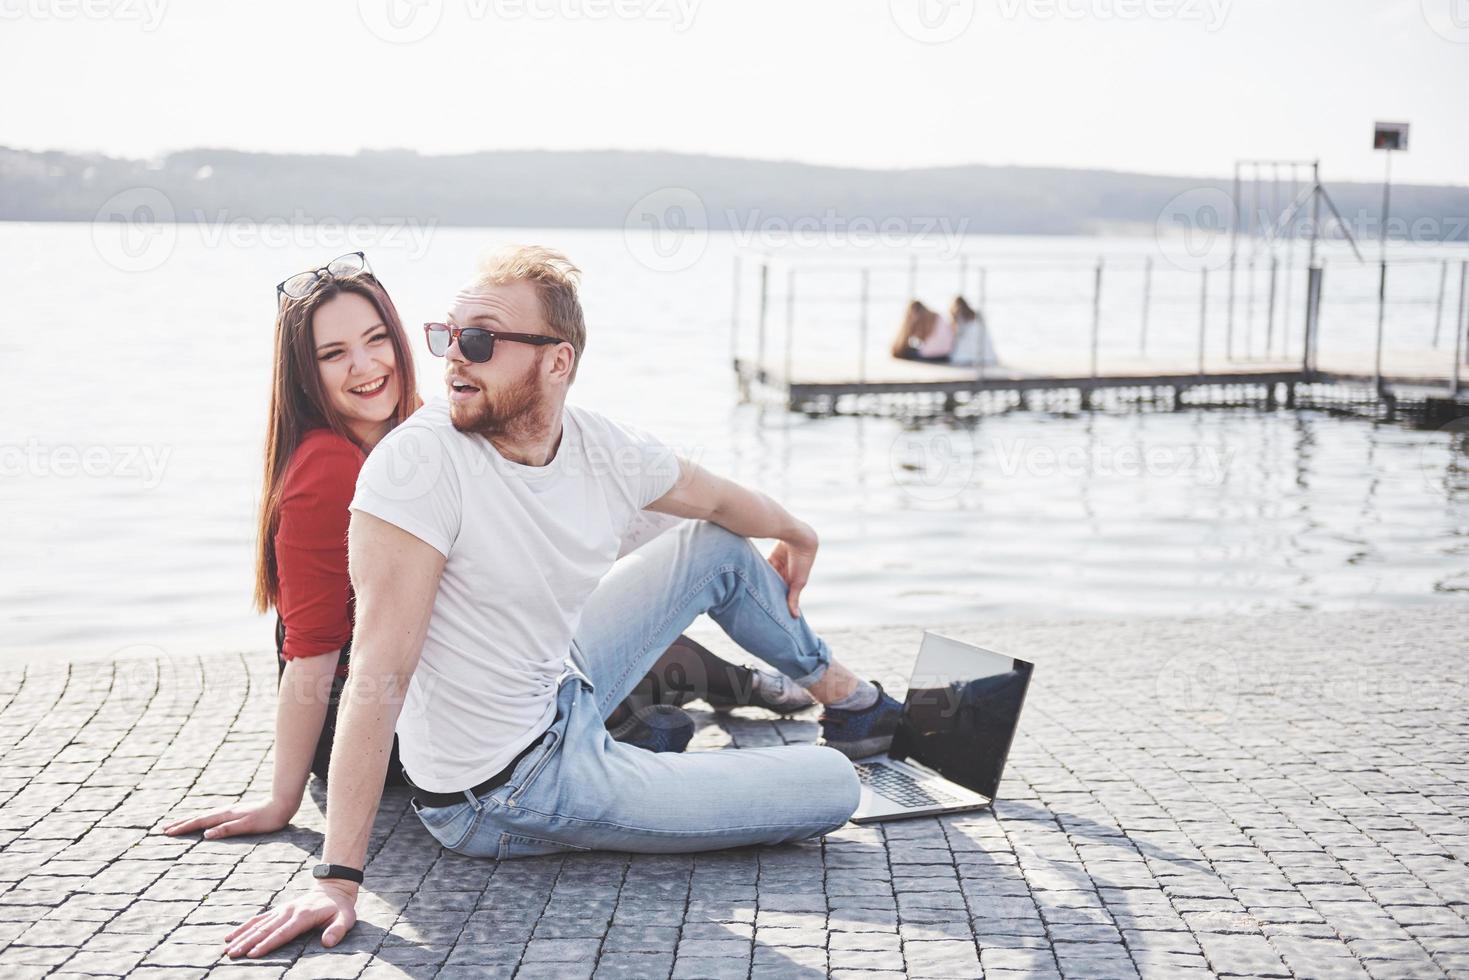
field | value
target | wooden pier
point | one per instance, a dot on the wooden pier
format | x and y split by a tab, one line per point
1073	370
1409	386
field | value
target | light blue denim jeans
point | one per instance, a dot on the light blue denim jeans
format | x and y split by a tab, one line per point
579	790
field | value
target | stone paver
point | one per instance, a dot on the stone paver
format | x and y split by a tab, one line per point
1282	796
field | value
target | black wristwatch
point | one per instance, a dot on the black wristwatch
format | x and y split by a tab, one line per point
340	871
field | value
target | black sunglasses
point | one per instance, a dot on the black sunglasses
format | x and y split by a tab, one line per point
476	343
303	284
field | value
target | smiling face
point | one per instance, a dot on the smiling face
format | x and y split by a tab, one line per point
354	356
518	390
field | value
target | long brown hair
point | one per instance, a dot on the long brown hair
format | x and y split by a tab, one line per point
298	404
918	323
961	312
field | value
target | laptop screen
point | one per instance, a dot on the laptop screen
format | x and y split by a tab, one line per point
962	709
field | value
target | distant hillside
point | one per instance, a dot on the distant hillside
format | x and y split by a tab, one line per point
596	189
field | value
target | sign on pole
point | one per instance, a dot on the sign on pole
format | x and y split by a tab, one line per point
1390	136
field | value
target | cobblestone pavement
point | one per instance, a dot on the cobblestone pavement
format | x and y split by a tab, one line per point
1277	796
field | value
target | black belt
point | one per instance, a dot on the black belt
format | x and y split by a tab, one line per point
424	798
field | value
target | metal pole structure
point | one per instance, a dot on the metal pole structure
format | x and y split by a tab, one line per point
734	317
1254	248
862	329
1203	313
1313	312
760	332
1461	324
1382	275
1233	252
1290	265
1270	309
1313	274
1386	201
1096	315
1443	281
790	321
1142	339
1315	211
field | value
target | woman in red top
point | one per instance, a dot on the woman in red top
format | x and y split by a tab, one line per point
343	379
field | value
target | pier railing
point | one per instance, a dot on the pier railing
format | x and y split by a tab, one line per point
1101	315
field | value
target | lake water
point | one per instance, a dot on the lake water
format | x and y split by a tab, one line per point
134	400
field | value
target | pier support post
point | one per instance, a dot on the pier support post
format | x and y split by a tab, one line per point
1096	315
734	318
1233	263
1313	319
1203	313
1290	394
764	309
1270	309
790	324
1443	281
1142	338
1461	325
1270	397
1381	321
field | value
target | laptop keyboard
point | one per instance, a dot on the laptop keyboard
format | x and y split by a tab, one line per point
901	788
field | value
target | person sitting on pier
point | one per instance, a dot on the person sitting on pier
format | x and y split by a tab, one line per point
342	380
925	335
496	629
973	344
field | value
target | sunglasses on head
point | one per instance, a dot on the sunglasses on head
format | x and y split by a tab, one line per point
303	284
476	343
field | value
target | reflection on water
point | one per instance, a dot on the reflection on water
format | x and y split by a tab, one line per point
130	465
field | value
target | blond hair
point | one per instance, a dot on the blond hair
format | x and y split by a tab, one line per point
555	280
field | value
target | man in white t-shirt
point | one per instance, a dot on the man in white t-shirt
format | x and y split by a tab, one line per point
497	628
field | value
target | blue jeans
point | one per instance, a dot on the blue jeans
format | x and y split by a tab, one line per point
579	790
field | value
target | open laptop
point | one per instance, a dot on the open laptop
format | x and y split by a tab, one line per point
958	721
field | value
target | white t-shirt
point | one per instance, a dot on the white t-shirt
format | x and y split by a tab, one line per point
524	547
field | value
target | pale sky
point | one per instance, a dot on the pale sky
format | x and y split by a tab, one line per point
1161	86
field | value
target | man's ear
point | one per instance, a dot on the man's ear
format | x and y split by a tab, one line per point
563	361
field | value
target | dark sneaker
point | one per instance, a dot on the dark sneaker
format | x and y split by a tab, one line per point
859	734
657	728
769	690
